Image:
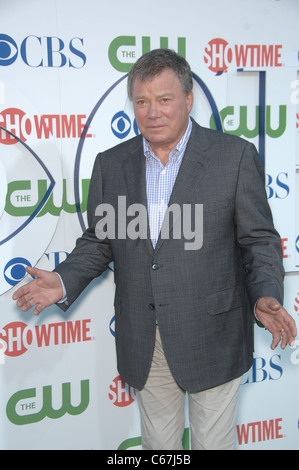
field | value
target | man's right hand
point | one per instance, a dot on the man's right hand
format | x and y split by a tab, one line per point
41	292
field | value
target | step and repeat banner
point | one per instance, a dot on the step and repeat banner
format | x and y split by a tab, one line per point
63	74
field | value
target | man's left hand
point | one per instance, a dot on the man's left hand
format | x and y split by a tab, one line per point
276	319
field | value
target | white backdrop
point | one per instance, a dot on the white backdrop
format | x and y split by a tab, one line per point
63	64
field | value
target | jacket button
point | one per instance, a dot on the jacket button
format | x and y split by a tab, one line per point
151	306
155	266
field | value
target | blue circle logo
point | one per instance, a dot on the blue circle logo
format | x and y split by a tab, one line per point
8	50
15	270
121	125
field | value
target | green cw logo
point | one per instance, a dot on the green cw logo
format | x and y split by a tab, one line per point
22	407
122	50
24	196
236	121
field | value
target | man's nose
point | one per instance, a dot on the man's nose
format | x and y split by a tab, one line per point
153	111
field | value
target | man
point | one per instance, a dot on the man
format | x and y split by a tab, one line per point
184	312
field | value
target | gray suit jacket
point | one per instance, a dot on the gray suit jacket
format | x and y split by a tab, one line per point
202	299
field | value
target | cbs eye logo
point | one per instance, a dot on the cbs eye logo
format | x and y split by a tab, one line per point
28	180
8	50
15	270
121	125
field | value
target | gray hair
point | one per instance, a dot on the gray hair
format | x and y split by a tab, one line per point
154	62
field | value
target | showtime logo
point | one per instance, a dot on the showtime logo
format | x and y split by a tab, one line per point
121	394
46	126
219	55
260	431
17	337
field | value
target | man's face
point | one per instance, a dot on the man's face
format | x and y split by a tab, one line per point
161	110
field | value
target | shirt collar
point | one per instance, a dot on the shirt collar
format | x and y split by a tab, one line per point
179	149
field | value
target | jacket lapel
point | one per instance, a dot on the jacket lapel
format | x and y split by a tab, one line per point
135	177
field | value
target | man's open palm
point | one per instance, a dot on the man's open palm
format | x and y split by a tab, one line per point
43	291
276	320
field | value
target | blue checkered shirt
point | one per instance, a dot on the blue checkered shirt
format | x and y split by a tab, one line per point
160	180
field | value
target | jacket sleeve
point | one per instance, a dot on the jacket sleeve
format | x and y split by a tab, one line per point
91	256
259	242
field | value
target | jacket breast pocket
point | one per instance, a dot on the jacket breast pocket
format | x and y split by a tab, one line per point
217	206
224	300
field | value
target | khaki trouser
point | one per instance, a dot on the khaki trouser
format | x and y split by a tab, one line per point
212	413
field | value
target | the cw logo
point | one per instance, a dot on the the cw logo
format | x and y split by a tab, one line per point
21	407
